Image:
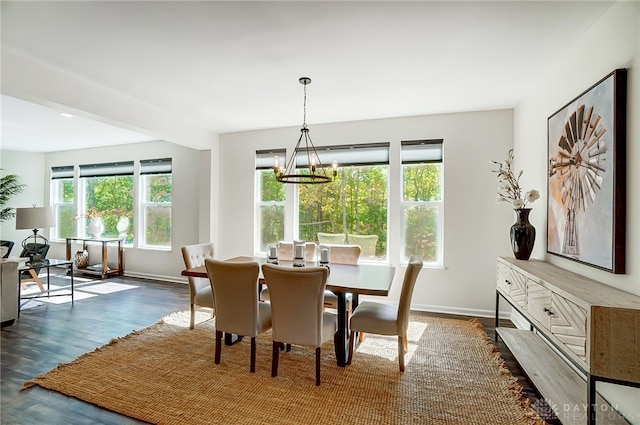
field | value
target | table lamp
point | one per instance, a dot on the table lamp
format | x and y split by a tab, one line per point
34	218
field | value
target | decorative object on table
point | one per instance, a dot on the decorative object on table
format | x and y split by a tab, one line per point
11	186
586	186
299	251
82	259
304	165
34	218
522	233
122	227
272	254
95	228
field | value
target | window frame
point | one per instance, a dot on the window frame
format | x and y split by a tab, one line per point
416	152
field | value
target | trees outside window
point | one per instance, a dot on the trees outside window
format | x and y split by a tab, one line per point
63	200
156	202
270	200
422	200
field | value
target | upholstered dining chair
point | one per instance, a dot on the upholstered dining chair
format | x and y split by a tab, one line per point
297	313
341	254
385	319
285	252
238	310
200	292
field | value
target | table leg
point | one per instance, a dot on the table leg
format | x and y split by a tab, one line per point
71	271
341	339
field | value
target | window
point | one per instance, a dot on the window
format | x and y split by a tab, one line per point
62	198
422	200
107	188
270	200
352	208
155	205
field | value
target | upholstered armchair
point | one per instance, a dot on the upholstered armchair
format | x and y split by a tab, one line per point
297	311
238	310
200	292
9	291
386	319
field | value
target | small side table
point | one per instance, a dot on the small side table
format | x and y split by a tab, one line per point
44	264
104	271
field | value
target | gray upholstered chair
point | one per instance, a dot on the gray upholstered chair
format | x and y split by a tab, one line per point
238	310
297	313
341	254
385	319
200	292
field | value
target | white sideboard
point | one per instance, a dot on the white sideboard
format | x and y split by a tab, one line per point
574	321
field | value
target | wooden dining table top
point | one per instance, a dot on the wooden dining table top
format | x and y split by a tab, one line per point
362	278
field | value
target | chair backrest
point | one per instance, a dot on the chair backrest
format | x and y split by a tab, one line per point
310	251
331	238
297	297
410	276
345	254
285	251
235	290
194	256
5	248
366	242
36	250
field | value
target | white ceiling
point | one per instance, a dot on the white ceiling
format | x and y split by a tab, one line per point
234	66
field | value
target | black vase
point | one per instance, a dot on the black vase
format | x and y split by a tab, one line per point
523	234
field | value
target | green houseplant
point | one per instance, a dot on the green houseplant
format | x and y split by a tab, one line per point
9	187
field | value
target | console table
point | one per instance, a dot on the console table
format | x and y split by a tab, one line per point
592	325
103	269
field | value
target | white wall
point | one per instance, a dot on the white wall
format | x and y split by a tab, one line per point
476	228
614	42
29	167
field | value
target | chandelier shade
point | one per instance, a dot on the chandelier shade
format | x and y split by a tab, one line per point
313	171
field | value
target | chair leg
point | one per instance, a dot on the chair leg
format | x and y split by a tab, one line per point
360	336
193	316
406	348
218	346
288	347
401	353
274	359
253	354
318	366
351	343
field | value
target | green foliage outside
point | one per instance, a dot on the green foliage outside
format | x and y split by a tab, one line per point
158	215
112	197
421	189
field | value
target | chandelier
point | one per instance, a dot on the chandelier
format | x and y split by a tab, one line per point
312	171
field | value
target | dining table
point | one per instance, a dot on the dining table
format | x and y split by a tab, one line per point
357	279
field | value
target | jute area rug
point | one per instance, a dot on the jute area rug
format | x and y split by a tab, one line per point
165	374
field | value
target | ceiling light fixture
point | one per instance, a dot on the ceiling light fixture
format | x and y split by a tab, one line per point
311	171
66	115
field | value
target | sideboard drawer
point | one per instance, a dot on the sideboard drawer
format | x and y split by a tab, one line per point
512	283
539	303
569	325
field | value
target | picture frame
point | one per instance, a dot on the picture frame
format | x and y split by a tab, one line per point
586	192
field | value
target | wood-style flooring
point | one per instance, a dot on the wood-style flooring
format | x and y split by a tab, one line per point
47	335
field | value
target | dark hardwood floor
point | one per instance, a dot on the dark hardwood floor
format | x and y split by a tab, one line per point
49	334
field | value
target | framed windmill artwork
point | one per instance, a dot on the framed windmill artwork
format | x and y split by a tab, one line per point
586	186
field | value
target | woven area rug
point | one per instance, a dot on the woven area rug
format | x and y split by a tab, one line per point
165	374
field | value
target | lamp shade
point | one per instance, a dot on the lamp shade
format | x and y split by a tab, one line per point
34	218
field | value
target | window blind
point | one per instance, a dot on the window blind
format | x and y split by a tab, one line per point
421	151
155	166
63	172
265	159
107	169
